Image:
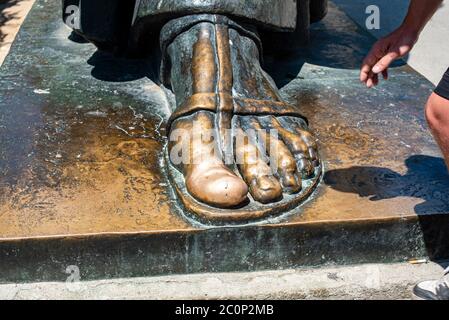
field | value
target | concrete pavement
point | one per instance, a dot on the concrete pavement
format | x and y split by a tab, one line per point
12	15
369	281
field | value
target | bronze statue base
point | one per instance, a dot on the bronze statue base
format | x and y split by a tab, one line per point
82	178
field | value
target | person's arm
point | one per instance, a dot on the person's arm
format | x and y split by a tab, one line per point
399	42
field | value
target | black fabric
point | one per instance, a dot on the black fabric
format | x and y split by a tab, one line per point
108	24
318	10
443	87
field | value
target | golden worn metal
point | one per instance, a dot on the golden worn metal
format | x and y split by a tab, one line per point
212	183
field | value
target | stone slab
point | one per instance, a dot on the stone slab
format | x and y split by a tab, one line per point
355	282
82	178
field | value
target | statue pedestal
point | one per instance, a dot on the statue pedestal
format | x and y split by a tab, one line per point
82	180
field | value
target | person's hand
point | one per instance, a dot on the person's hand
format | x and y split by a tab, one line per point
384	52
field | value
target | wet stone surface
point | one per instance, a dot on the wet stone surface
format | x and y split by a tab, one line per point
81	139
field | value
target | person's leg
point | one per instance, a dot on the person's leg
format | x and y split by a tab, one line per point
437	115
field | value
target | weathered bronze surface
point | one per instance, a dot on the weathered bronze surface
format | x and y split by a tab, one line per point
82	178
205	172
85	157
211	61
214	63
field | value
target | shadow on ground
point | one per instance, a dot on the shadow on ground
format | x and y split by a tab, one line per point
426	178
109	68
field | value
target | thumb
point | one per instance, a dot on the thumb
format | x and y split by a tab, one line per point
385	62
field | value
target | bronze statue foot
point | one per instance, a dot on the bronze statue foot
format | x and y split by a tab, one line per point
207	178
236	143
290	151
